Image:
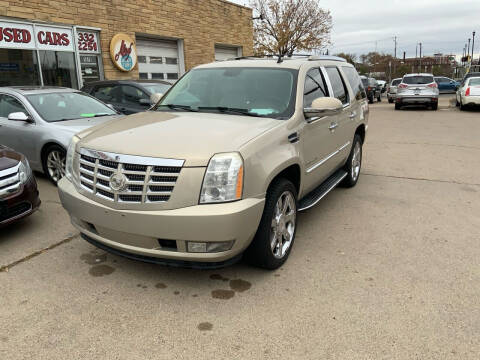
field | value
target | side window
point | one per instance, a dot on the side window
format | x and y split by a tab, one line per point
314	87
338	86
355	82
104	93
9	104
132	96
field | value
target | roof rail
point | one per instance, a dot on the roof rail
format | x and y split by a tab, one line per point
280	58
326	57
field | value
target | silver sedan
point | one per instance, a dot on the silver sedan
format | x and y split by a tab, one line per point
40	121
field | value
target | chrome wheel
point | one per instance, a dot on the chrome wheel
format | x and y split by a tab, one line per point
356	161
283	224
56	165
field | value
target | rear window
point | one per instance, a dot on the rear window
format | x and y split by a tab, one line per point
396	82
474	82
418	80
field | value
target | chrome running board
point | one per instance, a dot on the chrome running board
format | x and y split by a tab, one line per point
314	196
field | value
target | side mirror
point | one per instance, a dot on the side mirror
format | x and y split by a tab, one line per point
324	106
144	102
155	98
19	116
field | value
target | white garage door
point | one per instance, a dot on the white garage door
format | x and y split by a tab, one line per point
225	52
158	59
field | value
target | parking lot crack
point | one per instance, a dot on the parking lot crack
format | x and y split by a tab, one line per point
422	179
7	267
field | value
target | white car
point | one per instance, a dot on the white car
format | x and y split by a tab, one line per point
468	94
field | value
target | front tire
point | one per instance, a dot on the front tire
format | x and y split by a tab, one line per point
53	162
354	163
390	101
275	235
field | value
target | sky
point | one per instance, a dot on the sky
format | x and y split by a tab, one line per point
442	26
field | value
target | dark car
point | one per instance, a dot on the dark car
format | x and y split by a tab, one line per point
372	89
18	188
127	96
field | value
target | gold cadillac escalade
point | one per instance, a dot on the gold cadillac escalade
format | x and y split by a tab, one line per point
222	164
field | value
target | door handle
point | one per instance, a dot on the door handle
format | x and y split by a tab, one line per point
352	115
333	126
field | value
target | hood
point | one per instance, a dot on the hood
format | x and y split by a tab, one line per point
78	125
8	158
189	136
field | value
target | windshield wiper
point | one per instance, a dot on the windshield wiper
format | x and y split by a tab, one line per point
102	114
224	109
178	107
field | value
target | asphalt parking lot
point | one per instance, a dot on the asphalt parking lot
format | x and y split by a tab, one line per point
387	270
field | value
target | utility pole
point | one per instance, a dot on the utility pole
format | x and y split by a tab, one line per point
420	57
394	57
473	44
468	49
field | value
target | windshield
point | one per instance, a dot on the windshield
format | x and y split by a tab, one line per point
68	106
157	88
418	80
365	82
267	92
396	82
474	81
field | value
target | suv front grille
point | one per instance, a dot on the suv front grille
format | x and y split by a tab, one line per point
147	180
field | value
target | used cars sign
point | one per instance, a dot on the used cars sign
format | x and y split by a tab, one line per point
25	36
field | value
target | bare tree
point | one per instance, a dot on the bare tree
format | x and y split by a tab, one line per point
290	25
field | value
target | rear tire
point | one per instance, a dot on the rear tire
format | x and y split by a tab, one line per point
370	100
353	165
434	106
275	235
398	107
379	98
462	107
390	101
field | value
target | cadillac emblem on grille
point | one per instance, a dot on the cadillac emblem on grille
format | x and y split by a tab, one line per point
118	182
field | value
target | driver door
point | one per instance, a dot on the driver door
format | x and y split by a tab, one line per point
18	135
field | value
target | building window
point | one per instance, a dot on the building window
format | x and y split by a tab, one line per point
143	75
157	76
18	67
142	59
58	68
171	61
156	60
172	76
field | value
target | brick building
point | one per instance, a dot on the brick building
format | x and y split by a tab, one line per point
71	42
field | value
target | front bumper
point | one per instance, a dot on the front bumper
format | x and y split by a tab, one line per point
20	204
138	232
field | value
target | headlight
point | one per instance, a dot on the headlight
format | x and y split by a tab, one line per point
24	171
223	179
69	159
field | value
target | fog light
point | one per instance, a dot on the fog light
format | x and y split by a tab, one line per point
210	247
